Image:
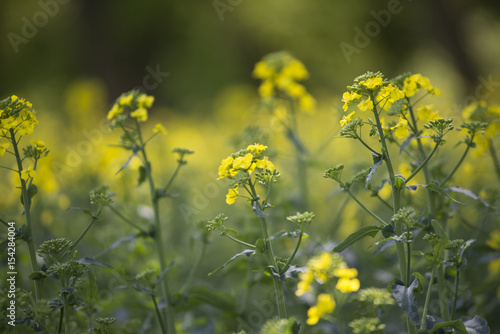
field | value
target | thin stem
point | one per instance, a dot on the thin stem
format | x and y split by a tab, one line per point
422	164
61	317
66	314
83	233
241	242
371	213
384	202
367	146
427	300
462	158
174	175
194	267
159	316
287	264
457	279
4	222
408	257
27	217
128	221
169	311
494	156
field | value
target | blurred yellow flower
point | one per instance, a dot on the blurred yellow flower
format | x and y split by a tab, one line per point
494	240
296	70
159	129
348	98
295	89
386	191
304	285
126	100
324	305
140	114
266	89
346	119
28	173
401	130
307	102
366	104
257	148
115	111
3	148
416	81
345	272
243	162
145	101
345	285
425	113
372	83
232	195
224	167
262	71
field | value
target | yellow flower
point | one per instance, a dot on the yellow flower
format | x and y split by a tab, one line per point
386	191
345	272
296	70
346	119
266	89
38	144
345	285
262	71
256	148
3	148
416	81
265	163
145	101
372	83
348	98
324	305
321	266
296	89
307	102
126	100
232	195
243	162
28	173
365	105
224	167
401	130
304	285
492	129
494	266
140	114
426	114
115	111
404	170
159	129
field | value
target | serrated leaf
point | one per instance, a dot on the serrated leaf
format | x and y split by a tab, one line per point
406	299
246	252
469	193
363	232
89	260
377	161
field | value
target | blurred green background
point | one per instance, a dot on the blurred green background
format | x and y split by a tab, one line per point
71	59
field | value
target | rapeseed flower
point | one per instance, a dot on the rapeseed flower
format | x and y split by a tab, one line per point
324	305
346	119
401	130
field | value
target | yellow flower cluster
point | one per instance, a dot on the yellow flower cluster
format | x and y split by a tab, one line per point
17	115
245	161
280	73
321	269
482	112
136	102
415	82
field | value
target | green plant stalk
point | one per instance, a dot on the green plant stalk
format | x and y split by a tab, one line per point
396	199
83	233
366	145
457	280
462	158
415	172
371	213
158	316
66	314
241	242
128	221
427	299
278	285
27	217
287	264
61	318
494	156
194	267
169	311
443	306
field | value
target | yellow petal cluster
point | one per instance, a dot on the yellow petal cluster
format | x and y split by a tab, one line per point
324	305
415	82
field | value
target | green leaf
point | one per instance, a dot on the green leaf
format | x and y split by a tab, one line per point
470	194
142	175
257	210
377	161
126	163
37	275
259	246
474	325
159	278
434	187
406	299
32	191
143	290
440	231
363	232
216	298
290	234
292	272
420	279
89	260
246	252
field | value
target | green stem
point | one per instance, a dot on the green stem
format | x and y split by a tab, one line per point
384	202
159	316
457	279
494	156
83	233
278	285
367	146
371	213
174	175
61	317
4	222
27	217
66	314
427	299
287	264
462	158
194	268
169	310
128	221
422	164
241	242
